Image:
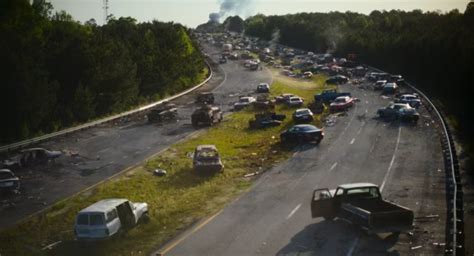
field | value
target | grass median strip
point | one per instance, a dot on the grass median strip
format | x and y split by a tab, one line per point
176	200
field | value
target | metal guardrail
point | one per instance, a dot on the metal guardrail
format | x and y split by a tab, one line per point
27	142
455	208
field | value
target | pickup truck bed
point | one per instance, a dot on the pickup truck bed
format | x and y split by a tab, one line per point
378	215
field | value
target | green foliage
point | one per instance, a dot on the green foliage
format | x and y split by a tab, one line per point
234	23
434	50
57	72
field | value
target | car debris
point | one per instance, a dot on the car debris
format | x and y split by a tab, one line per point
160	172
416	247
163	112
264	103
205	98
266	119
206	159
362	204
29	157
105	218
283	97
338	79
206	115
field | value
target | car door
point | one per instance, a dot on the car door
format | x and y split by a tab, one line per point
322	203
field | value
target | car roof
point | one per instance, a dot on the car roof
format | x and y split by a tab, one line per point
356	185
6	171
306	126
342	97
302	109
103	205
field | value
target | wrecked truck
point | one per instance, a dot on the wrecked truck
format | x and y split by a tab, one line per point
361	204
206	115
206	159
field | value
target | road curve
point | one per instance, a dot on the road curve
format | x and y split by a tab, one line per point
108	149
273	218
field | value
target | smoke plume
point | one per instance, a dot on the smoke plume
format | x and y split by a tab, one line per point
231	7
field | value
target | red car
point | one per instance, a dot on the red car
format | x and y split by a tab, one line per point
341	103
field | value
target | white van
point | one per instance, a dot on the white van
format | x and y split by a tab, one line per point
106	217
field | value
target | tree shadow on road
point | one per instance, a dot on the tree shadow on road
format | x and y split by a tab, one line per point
336	238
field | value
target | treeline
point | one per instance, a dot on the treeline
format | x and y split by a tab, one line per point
433	50
57	72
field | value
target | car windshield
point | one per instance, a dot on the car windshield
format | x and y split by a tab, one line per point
244	100
340	100
303	112
96	219
83	219
207	154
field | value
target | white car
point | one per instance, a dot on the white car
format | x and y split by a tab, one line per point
295	101
105	218
244	102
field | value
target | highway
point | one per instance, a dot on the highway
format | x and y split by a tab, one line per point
273	218
98	153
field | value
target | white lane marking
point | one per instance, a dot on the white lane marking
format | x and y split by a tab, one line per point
360	129
293	211
333	166
392	161
353	246
225	79
352	141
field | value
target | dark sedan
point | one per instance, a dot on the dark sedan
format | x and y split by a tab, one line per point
302	133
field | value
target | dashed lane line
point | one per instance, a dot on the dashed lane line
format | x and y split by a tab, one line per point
293	211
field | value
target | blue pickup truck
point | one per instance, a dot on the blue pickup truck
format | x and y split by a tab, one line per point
330	95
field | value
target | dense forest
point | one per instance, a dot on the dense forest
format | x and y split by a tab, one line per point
432	49
57	72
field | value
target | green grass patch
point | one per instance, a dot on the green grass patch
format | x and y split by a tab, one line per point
176	200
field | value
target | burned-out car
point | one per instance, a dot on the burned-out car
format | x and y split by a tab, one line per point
265	120
206	115
30	157
163	112
9	183
205	97
206	159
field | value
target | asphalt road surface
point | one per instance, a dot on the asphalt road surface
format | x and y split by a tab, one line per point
98	153
273	218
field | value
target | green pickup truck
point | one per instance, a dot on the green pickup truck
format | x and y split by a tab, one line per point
361	204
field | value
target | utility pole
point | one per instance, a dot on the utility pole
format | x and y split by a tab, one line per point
106	11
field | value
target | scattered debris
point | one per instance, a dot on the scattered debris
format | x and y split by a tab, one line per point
159	172
251	174
439	244
51	246
416	247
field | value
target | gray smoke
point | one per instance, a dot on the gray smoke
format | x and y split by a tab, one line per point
230	7
275	39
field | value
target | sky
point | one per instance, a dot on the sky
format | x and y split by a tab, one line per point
194	12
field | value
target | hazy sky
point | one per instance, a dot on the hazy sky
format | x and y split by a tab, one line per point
194	12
